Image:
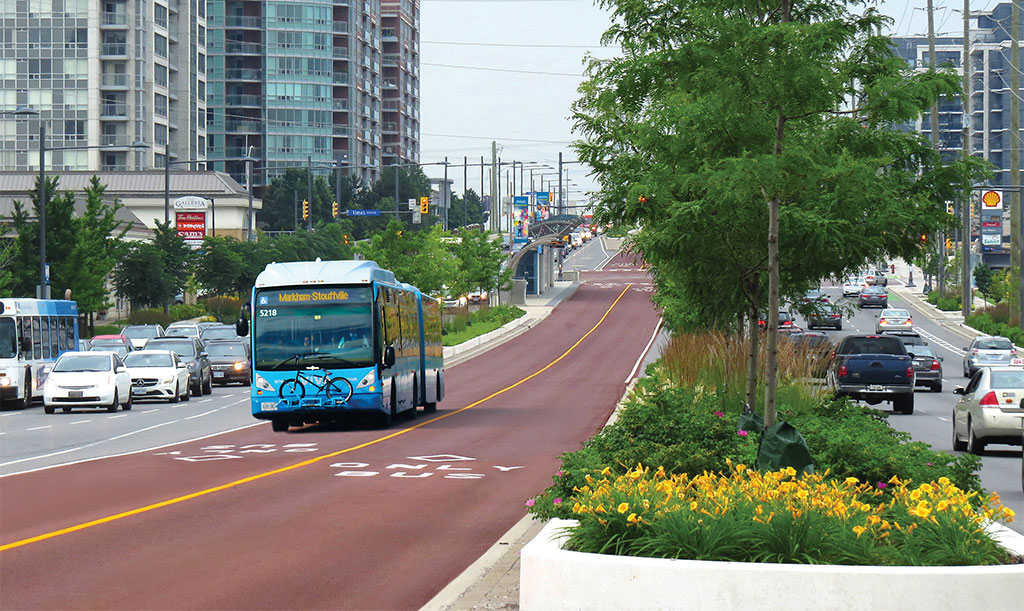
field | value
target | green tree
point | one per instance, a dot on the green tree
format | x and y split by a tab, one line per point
479	263
725	131
279	201
219	267
60	240
465	210
983	278
420	258
175	256
94	253
140	277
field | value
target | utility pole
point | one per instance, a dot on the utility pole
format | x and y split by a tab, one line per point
967	202
446	197
1016	210
941	241
493	221
561	205
465	190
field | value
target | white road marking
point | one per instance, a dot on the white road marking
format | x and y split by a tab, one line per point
81	421
205	400
643	352
150	411
8	414
942	419
117	416
203	414
39	428
938	340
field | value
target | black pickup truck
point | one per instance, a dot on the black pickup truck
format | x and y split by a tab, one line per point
873	368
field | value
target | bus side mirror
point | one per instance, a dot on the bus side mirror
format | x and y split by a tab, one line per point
242	326
389	356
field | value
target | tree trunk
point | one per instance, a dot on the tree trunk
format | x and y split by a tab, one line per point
752	329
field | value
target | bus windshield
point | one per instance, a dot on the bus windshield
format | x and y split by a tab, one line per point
327	333
8	339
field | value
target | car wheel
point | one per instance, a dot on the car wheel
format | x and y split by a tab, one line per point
66	410
904	404
49	409
113	404
208	386
279	425
128	405
185	396
177	394
974	445
937	387
958	445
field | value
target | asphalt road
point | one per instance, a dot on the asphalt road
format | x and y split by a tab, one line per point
328	517
931	421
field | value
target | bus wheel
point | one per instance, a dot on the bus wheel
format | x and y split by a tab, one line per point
431	407
387	418
27	401
279	425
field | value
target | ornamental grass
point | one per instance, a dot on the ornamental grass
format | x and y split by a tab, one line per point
784	517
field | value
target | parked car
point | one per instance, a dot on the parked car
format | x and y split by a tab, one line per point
873	296
216	332
827	315
158	374
987	352
230	360
87	379
193	353
927	367
876	277
853	285
990	409
873	368
891	319
110	340
909	337
138	334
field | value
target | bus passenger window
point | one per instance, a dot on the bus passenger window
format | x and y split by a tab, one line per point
37	348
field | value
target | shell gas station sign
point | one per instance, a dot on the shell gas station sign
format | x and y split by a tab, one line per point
190	219
992	200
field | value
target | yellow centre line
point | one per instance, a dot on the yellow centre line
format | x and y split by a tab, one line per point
311	461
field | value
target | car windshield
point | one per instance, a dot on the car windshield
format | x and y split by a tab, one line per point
82	362
995	343
185	350
226	349
219	333
8	339
920	351
182	332
140	332
118	349
141	359
872	345
874	290
1007	379
895	314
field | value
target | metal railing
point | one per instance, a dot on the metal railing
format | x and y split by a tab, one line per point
243	100
243	21
112	18
243	74
114	110
113	49
114	80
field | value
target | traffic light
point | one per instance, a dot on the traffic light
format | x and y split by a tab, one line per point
949	244
335	211
643	199
305	210
345	237
924	239
949	209
424	205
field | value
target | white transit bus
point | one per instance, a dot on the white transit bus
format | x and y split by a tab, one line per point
331	338
33	333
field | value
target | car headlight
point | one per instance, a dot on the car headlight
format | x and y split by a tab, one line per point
261	383
368	379
167	380
240	365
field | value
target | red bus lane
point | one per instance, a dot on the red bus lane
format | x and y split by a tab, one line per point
361	519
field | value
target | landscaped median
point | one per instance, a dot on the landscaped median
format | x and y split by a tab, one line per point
878	519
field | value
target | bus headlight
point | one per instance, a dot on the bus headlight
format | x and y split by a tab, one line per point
367	380
261	383
5	381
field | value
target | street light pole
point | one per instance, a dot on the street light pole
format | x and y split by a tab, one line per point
44	286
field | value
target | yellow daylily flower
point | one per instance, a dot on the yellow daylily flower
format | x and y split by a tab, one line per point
623	507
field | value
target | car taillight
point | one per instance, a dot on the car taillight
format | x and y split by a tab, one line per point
1013	352
787	323
989	399
935	364
910	371
866	295
881	321
842	371
908	322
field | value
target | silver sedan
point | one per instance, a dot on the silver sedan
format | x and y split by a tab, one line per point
989	410
891	319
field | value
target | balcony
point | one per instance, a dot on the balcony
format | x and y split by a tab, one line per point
243	100
114	110
389	34
341	53
341	78
118	49
390	84
341	27
243	22
113	20
342	130
242	151
114	140
114	81
243	48
340	105
389	127
243	127
243	74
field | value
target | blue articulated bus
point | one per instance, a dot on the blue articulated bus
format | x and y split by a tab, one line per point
33	333
334	338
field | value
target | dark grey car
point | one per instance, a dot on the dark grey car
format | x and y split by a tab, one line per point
193	353
873	296
927	367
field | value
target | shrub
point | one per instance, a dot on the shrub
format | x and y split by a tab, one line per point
947	303
224	309
181	311
983	322
482	321
151	316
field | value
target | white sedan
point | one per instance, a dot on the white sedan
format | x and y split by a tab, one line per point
990	410
853	285
87	379
158	374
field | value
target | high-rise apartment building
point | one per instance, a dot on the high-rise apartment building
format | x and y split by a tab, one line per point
300	81
401	84
103	74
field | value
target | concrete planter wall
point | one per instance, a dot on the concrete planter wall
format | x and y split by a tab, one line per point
553	578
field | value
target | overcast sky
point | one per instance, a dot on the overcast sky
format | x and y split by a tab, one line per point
514	73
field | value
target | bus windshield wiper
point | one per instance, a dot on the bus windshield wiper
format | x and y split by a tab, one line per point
325	356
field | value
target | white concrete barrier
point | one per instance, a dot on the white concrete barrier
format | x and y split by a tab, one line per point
553	578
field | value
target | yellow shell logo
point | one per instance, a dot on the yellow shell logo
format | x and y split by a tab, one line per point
991	199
